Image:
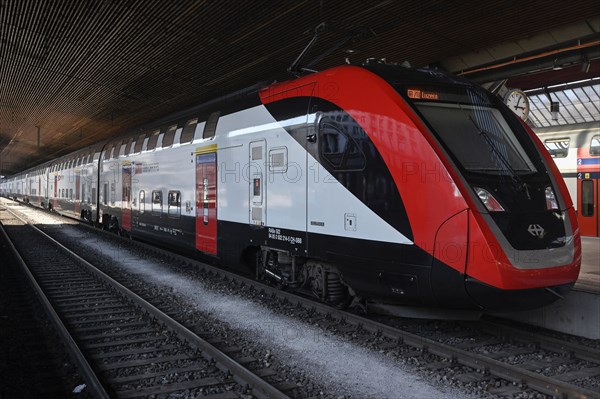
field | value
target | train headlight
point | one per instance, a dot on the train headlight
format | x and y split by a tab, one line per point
551	202
488	200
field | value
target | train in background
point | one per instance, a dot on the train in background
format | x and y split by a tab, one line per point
382	182
576	151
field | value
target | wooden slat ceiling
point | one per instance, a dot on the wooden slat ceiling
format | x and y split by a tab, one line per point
81	71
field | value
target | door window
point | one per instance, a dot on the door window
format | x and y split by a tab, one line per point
157	202
174	203
587	198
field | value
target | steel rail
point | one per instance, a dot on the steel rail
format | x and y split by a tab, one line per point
94	385
586	353
259	387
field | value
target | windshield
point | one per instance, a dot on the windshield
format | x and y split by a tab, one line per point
478	137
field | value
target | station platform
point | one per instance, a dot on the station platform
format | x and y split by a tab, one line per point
579	312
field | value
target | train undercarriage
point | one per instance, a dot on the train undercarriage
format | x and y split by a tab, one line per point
287	271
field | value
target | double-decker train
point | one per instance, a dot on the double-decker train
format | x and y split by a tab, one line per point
576	151
393	184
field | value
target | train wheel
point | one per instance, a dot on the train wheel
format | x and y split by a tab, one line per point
326	284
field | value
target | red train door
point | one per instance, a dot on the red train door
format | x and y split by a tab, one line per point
206	199
126	198
588	193
588	176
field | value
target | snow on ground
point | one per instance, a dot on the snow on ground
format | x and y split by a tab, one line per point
333	361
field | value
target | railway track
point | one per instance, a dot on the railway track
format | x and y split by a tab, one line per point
32	355
124	346
489	352
475	349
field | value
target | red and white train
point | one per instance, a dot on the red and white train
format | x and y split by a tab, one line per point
576	151
398	185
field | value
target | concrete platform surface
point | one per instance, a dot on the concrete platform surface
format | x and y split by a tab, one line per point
589	276
579	312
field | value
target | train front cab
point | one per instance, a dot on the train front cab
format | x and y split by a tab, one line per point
588	187
523	246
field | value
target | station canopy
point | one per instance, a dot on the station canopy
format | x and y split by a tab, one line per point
74	73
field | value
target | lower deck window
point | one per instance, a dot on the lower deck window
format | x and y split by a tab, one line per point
157	202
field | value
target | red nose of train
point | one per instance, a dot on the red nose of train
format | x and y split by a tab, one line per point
500	277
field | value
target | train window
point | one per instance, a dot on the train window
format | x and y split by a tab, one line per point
558	148
174	203
595	145
338	148
587	198
142	197
278	159
122	150
129	147
93	195
189	129
169	136
152	140
105	194
71	193
211	125
114	152
139	142
157	202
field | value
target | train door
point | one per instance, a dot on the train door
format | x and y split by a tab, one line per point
55	192
78	192
588	194
126	198
588	176
206	200
27	192
257	194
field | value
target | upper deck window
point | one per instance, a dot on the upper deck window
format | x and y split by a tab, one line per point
152	140
189	129
558	148
139	142
169	136
595	145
